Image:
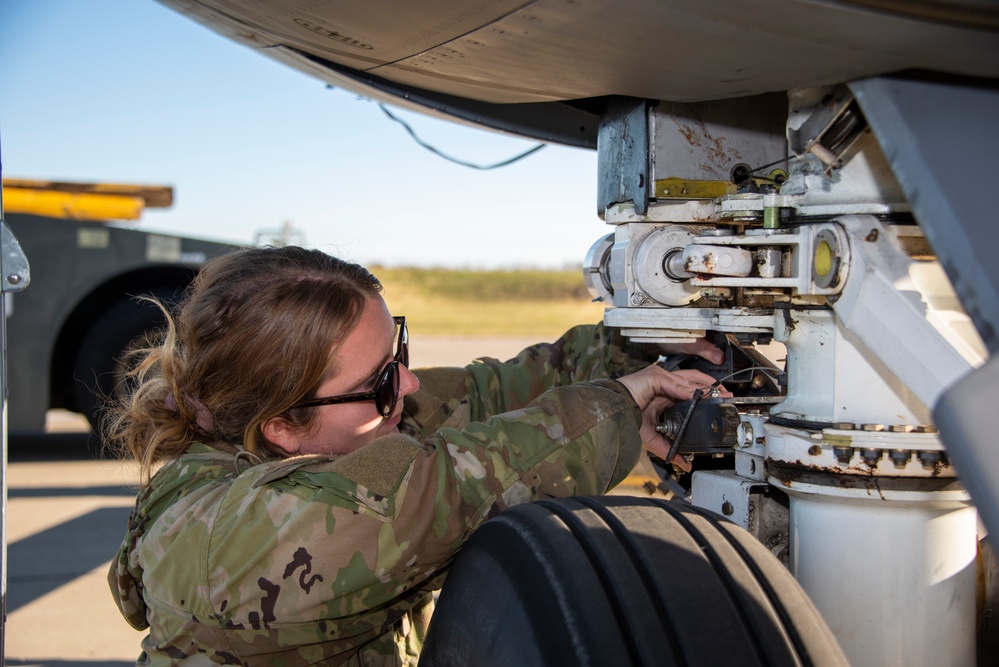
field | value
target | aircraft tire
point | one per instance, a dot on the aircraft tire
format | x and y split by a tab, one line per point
621	581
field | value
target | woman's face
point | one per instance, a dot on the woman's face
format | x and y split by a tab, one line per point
346	427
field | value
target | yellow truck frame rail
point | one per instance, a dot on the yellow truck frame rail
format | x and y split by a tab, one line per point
83	201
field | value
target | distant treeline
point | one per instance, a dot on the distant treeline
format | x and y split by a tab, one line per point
512	285
453	302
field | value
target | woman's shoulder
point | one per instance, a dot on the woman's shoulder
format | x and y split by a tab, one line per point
364	481
186	479
199	463
206	481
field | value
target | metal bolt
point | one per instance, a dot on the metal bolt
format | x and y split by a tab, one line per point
844	426
637	299
670	425
843	454
872	236
650	487
13	279
872	427
901	428
871	456
930	459
900	457
727	508
815	450
926	428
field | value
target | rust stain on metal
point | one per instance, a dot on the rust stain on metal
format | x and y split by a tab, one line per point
717	155
787	472
938	467
707	261
789	323
689	134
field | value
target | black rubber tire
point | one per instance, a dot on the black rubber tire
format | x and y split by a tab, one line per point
621	581
97	367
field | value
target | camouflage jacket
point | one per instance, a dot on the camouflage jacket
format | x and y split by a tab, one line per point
319	560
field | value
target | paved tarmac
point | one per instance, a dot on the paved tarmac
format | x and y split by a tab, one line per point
67	512
65	520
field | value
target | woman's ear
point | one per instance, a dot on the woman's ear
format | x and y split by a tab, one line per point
282	434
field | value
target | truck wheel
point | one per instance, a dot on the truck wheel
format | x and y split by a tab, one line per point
621	581
98	368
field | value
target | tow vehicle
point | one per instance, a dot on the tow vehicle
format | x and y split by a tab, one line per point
84	309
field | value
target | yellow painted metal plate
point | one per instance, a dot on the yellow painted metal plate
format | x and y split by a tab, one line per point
679	188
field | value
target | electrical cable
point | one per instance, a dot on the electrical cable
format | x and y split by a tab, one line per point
776	162
766	371
471	165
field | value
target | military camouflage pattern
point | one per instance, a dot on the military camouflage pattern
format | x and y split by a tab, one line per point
319	560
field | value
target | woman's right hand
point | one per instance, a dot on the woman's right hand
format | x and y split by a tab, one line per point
655	389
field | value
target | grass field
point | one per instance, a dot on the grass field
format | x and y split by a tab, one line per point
441	302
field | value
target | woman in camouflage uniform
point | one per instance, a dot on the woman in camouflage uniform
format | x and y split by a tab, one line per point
296	511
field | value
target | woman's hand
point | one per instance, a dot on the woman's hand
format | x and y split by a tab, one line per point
699	348
655	389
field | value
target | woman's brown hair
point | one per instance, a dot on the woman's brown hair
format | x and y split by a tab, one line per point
251	338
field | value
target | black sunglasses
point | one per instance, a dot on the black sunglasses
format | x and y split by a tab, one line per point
386	391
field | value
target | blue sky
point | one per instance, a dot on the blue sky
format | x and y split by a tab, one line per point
129	91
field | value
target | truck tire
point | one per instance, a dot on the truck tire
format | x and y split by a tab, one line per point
98	370
621	581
